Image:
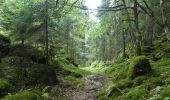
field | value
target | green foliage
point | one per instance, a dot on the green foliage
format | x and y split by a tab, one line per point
167	81
24	95
139	66
166	91
5	87
137	93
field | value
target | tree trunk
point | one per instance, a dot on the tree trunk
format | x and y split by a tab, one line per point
124	44
138	39
149	30
46	32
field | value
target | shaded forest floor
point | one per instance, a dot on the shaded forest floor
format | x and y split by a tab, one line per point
93	84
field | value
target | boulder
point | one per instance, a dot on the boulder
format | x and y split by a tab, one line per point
26	73
28	52
139	66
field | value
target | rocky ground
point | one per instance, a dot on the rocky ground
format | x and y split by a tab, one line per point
93	84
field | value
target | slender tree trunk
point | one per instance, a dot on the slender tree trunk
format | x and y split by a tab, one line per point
124	44
138	39
46	32
22	41
149	30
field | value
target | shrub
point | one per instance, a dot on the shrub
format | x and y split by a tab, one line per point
25	95
139	66
166	92
4	87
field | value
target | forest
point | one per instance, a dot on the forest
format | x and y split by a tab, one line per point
84	50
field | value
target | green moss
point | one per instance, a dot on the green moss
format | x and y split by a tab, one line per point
139	66
117	88
71	69
118	71
114	91
166	92
139	80
25	95
137	93
4	87
125	83
158	81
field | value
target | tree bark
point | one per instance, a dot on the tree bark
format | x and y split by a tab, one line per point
149	30
46	31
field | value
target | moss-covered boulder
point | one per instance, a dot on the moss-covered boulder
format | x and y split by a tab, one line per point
139	66
25	95
4	87
28	52
139	80
116	89
22	72
166	92
37	75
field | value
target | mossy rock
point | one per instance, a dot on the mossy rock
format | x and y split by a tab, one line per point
137	93
15	61
123	84
25	95
5	87
28	52
166	92
139	66
139	80
33	74
158	81
114	91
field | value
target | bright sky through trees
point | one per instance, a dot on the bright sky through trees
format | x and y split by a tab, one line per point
93	4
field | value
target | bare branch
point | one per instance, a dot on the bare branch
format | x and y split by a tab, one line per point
74	3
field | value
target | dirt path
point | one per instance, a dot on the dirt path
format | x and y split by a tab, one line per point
93	84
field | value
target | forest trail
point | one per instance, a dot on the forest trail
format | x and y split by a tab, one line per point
93	84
